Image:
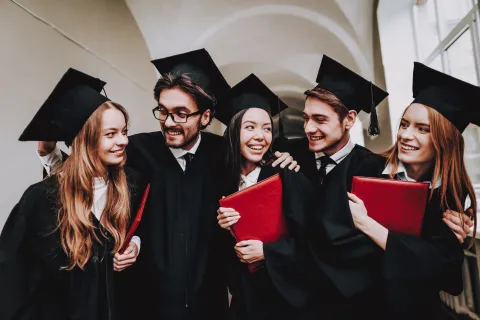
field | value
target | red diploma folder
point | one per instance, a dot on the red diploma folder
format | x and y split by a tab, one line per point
260	208
397	205
136	222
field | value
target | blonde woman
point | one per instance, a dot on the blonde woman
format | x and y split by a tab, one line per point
58	245
429	147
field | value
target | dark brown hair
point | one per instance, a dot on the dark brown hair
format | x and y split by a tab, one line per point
329	98
203	100
233	157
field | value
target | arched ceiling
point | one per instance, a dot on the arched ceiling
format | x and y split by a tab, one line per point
281	41
297	27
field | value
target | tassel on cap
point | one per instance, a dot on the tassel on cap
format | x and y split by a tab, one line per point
373	128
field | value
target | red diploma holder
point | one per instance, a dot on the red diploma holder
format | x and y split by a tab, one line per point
260	208
136	222
397	205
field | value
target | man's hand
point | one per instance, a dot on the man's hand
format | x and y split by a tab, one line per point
46	147
125	260
284	159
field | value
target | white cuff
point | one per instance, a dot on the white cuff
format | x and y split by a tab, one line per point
51	160
138	242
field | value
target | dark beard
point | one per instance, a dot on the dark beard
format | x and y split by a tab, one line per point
187	142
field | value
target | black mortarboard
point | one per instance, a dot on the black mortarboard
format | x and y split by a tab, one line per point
354	91
456	100
199	66
73	100
251	92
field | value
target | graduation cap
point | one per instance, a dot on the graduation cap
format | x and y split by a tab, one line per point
199	66
73	100
455	99
251	92
355	92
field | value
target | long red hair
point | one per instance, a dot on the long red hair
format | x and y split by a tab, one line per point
448	167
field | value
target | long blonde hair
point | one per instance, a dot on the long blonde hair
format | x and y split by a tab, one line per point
449	165
75	180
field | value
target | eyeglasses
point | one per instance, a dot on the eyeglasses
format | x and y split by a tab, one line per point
177	117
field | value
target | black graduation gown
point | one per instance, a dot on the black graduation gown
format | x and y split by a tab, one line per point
32	284
415	269
298	149
180	272
344	261
279	290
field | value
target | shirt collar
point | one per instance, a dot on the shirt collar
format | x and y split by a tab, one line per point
179	152
402	173
341	154
252	177
99	183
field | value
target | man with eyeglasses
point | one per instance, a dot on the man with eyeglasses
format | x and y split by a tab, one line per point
181	271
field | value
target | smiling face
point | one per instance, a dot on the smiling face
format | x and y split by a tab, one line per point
181	135
255	134
113	139
323	127
414	140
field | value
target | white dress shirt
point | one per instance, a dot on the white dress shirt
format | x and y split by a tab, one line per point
178	153
336	157
402	174
250	179
53	159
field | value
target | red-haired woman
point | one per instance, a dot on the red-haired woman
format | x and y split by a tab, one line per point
429	147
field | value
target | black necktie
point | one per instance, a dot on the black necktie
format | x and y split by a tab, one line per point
188	159
322	172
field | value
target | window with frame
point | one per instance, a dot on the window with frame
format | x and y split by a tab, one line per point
448	39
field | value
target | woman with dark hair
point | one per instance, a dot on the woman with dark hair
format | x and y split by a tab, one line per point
58	245
277	290
429	148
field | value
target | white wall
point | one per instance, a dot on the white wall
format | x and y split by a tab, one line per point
397	38
34	57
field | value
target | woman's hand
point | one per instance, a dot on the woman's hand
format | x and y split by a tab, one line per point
373	229
358	210
285	159
227	217
250	251
125	260
454	222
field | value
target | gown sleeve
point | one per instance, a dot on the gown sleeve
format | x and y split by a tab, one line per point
285	260
17	280
416	268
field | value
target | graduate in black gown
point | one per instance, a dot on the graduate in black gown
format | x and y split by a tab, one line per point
57	247
429	147
329	158
278	290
